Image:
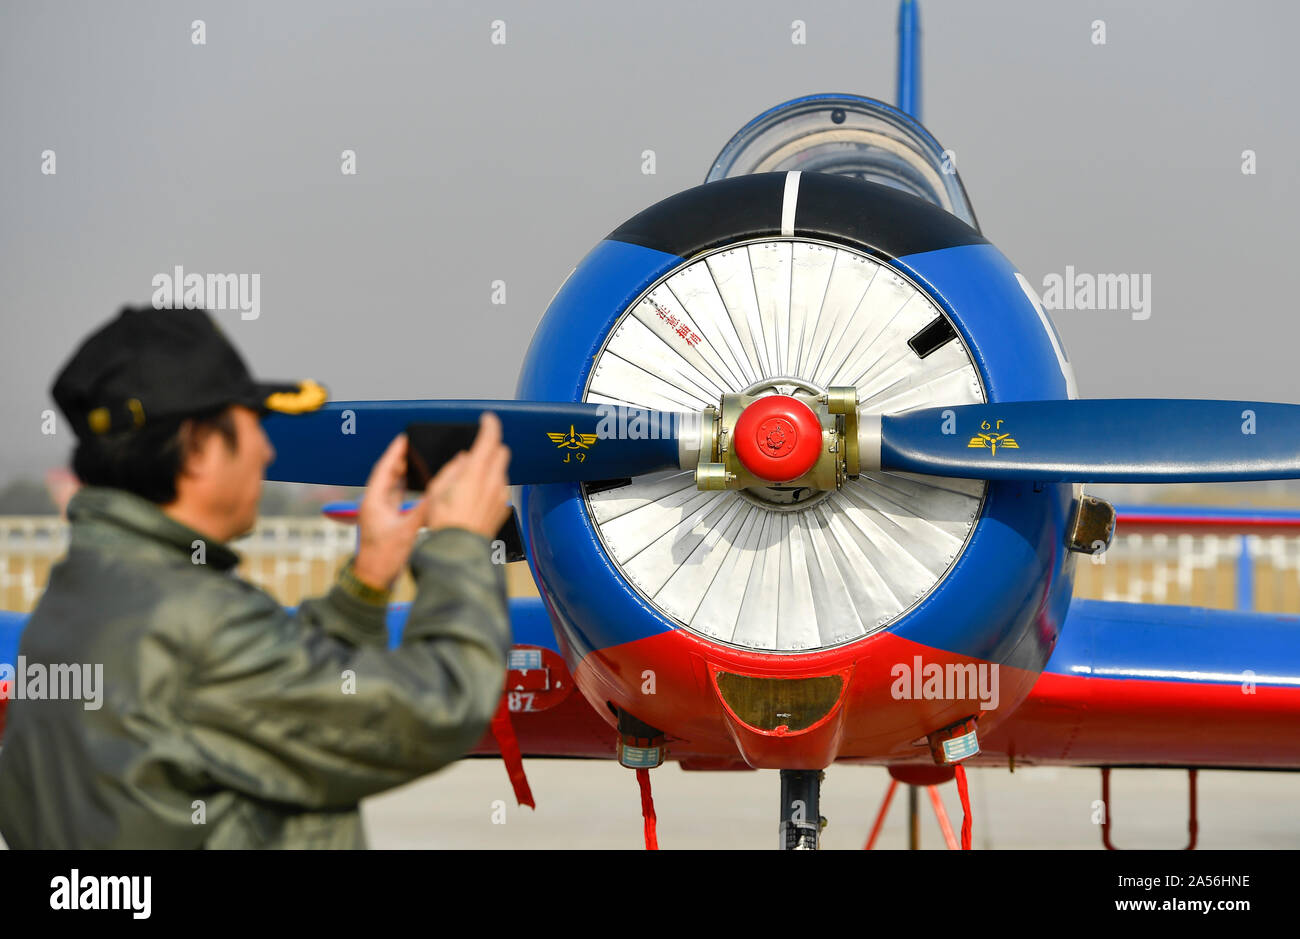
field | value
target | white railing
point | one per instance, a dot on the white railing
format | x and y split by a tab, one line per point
1253	572
290	557
294	558
29	546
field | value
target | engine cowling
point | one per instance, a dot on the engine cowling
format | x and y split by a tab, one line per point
669	599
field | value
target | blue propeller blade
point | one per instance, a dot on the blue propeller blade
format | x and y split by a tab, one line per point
549	443
1103	440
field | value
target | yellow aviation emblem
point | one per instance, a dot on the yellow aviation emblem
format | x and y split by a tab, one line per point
572	441
993	440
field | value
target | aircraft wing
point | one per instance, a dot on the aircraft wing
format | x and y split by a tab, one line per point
1152	685
1207	520
1144	684
11	626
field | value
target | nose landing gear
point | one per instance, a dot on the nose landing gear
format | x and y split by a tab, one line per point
801	820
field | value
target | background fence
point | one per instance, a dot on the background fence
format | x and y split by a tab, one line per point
294	558
291	558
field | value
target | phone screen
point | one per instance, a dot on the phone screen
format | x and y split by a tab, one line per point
429	446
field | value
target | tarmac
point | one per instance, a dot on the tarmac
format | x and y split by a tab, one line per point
583	804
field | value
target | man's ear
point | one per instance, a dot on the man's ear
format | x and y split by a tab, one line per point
194	448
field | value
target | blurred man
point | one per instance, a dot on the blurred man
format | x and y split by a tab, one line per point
223	721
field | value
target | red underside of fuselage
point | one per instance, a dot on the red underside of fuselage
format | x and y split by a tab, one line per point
868	720
667	681
1063	719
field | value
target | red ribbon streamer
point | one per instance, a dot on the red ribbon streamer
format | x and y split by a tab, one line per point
647	810
964	794
504	732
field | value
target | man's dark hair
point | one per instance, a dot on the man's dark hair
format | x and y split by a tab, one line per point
146	461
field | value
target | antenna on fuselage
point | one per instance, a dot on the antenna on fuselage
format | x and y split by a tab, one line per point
909	58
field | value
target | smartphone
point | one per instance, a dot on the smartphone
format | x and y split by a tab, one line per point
428	447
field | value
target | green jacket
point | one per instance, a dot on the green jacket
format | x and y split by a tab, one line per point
224	720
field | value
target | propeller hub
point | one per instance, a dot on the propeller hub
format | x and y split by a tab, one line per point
777	438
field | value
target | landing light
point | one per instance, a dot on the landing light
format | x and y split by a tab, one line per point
771	704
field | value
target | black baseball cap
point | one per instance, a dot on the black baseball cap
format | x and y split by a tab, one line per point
152	365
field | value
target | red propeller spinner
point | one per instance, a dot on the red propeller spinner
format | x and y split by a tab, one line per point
777	438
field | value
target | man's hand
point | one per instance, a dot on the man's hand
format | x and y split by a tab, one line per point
471	491
468	492
386	533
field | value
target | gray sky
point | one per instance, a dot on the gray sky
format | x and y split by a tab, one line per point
478	162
